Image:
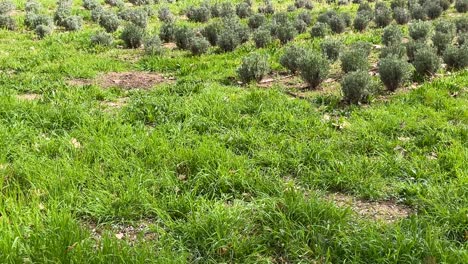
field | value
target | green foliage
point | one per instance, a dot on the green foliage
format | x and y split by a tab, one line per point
262	37
418	12
285	32
97	13
313	68
412	46
199	45
383	15
227	10
243	10
291	57
211	32
362	46
356	87
118	3
461	24
167	32
109	21
7	22
300	26
138	16
228	40
397	50
401	15
102	39
73	23
303	4
337	24
165	15
253	68
461	6
133	36
256	21
392	35
33	20
141	2
6	7
153	46
63	12
32	7
426	62
43	30
354	60
267	8
456	57
393	72
440	41
199	14
419	30
433	9
306	17
183	37
319	30
90	4
331	48
360	23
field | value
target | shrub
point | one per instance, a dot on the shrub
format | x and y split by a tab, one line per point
306	17
309	5
441	40
326	16
456	57
445	4
199	45
419	30
433	9
63	11
360	23
347	19
363	46
356	87
393	72
73	23
337	24
411	48
365	6
96	14
199	14
138	17
102	39
291	8
167	32
165	15
286	32
300	3
33	20
32	7
109	21
461	6
354	60
300	26
141	2
262	37
242	31
211	32
398	3
418	12
268	8
392	35
226	10
462	24
383	15
253	68
462	39
313	68
183	36
7	22
256	21
43	31
90	4
114	2
290	58
6	7
331	48
426	61
133	36
319	30
393	50
243	10
402	16
153	46
228	40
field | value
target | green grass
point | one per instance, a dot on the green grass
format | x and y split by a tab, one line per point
221	173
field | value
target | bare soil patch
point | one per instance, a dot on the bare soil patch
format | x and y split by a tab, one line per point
124	80
130	233
386	211
29	97
117	104
170	45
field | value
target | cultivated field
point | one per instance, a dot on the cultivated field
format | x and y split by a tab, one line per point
233	131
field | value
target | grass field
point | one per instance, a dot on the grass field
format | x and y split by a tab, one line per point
202	169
